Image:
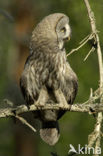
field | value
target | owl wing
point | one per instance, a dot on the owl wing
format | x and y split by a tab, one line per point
71	84
25	91
28	83
70	87
75	89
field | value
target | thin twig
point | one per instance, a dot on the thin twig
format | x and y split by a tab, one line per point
25	122
84	39
7	15
81	45
92	50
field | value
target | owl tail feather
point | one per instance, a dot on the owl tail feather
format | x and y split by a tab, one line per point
50	132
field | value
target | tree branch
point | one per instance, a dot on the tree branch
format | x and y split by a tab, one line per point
90	108
95	137
96	39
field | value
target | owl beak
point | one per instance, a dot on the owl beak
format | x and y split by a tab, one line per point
67	38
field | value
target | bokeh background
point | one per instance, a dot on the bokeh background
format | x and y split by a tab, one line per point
17	20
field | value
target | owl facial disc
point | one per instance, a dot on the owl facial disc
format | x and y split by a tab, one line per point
63	31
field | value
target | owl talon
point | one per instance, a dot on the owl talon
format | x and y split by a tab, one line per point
64	105
43	97
28	106
39	104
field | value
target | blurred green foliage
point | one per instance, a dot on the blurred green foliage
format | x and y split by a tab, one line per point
74	127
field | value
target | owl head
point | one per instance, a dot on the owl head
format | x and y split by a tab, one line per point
53	31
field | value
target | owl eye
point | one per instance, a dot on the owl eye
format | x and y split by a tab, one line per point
63	30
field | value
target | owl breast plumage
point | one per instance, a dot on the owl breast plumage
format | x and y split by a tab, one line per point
51	70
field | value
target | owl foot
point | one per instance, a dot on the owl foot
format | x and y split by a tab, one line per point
28	106
65	106
39	104
61	99
43	97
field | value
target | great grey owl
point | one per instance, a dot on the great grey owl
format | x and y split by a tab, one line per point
47	71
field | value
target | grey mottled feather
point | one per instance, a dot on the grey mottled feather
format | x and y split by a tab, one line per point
47	65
